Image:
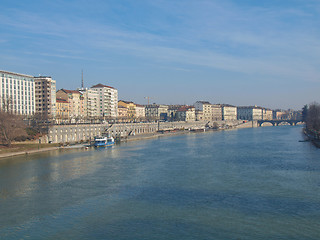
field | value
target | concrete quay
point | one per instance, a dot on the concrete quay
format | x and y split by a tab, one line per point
86	132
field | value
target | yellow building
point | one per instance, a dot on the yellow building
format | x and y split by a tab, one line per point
76	102
122	113
131	108
62	109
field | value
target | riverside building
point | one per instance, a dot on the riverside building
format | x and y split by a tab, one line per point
17	93
76	103
45	96
108	101
156	111
249	113
90	103
206	108
229	112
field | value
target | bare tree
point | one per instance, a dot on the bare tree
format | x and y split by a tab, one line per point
11	127
313	117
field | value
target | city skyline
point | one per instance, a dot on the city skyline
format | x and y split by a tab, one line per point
263	53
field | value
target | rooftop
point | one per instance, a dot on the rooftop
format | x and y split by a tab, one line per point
101	86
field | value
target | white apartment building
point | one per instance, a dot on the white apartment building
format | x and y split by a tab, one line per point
267	114
140	111
17	92
90	102
249	113
229	112
206	108
108	100
45	96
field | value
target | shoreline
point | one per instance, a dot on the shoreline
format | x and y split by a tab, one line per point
6	156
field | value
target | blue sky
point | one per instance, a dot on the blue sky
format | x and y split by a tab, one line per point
241	52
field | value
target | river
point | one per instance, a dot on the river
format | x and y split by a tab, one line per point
259	183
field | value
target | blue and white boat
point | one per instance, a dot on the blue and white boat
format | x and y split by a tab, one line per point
103	141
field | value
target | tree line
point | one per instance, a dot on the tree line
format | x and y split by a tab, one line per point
311	116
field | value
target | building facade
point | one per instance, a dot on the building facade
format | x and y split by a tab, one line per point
229	112
206	108
45	96
108	101
156	111
186	113
17	93
122	114
130	106
199	115
76	103
90	103
249	113
62	113
140	111
267	114
216	112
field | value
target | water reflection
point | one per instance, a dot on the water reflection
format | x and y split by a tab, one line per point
245	184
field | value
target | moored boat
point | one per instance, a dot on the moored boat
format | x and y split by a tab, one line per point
103	141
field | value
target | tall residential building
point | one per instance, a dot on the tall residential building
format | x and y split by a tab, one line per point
17	93
45	96
206	108
108	100
90	103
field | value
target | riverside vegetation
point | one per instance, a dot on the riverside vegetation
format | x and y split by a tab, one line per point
311	116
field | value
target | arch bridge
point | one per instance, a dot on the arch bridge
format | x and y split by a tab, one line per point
277	122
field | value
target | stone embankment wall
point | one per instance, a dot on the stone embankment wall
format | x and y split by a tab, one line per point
74	133
85	132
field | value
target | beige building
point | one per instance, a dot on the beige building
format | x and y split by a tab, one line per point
76	103
229	112
186	113
122	113
131	108
108	101
140	111
45	96
216	112
206	108
17	93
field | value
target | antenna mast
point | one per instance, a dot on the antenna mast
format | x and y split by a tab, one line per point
82	79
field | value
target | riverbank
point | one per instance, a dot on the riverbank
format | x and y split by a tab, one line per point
38	148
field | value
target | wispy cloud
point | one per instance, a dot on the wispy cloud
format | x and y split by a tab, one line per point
256	41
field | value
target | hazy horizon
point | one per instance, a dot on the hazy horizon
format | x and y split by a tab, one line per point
263	53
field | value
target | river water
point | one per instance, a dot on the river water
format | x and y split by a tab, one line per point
259	183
